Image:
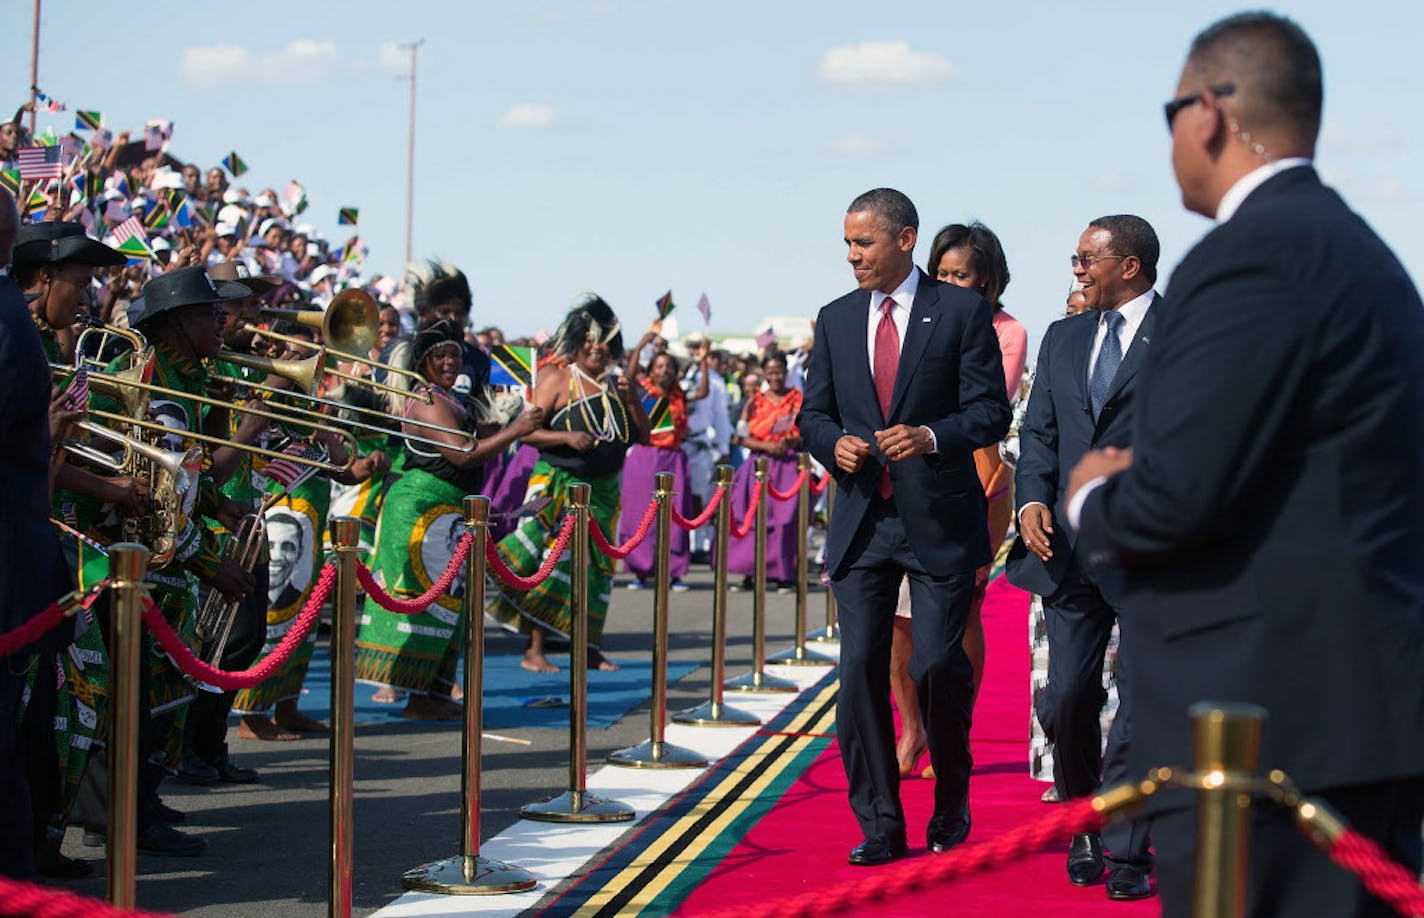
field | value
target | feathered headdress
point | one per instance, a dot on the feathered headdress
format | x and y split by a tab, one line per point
590	319
436	282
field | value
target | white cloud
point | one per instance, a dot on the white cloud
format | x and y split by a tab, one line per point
527	115
857	147
304	60
1112	183
883	63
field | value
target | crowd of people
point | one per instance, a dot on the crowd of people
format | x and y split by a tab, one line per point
1098	464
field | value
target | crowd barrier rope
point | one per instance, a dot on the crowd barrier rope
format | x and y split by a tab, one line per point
749	518
790	493
561	544
619	552
257	673
424	601
31	900
703	518
1380	875
46	621
819	485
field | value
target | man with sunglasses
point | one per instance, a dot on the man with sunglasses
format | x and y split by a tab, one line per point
1082	399
1268	519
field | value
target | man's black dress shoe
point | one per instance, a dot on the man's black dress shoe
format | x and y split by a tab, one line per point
230	773
945	832
876	851
166	840
193	770
1126	883
1085	859
164	814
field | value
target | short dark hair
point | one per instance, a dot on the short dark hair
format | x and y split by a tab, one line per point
891	206
1274	66
773	356
1134	236
984	249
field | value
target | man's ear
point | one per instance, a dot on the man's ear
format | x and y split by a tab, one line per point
907	239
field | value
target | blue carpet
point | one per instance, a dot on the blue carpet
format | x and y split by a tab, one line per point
514	697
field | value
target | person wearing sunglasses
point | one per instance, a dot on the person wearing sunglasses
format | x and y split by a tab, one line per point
1266	524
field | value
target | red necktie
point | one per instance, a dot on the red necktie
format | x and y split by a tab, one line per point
887	363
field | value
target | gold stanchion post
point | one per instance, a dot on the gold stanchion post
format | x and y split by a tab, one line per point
128	565
345	536
757	680
576	804
468	873
799	655
713	713
656	752
1226	744
831	633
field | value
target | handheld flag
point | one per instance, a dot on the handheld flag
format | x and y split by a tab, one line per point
46	138
665	305
659	417
156	133
10	180
347	216
294	198
39	163
136	250
103	139
38	204
157	217
88	121
704	308
130	228
512	366
234	164
766	339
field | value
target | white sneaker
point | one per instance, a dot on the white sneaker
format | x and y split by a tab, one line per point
635	585
679	587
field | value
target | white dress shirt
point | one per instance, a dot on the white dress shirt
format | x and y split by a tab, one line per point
904	298
1132	312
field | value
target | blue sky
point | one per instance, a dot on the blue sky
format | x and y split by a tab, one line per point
628	147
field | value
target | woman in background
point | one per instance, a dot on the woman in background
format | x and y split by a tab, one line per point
768	430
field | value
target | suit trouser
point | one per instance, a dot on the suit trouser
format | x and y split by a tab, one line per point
866	588
205	730
1079	623
1288	876
17	857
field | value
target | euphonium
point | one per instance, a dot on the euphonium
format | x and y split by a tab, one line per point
217	613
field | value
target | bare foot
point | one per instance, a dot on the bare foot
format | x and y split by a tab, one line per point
457	693
262	727
386	695
908	751
599	661
536	662
289	717
432	707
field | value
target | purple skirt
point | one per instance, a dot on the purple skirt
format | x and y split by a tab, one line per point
506	483
781	534
639	469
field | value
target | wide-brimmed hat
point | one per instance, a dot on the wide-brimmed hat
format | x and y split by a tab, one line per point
238	271
183	287
62	243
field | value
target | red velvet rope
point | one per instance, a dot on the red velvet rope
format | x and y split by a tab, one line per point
740	532
1380	875
502	570
819	485
619	552
258	672
886	883
32	630
795	487
703	518
30	899
422	602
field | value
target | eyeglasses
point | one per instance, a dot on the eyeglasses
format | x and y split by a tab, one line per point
1087	261
1171	109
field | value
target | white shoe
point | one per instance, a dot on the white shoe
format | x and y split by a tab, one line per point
635	585
679	587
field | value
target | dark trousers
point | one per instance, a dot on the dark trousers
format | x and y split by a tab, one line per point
17	856
205	730
1289	876
866	588
1079	623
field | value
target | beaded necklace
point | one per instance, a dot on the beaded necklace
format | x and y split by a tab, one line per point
605	430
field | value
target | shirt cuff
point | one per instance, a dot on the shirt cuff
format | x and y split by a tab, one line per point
934	441
1075	506
1032	503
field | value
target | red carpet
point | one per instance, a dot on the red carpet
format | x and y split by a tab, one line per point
801	844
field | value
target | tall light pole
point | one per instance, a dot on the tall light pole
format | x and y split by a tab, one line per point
414	48
34	66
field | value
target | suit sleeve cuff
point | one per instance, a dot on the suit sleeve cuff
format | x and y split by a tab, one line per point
934	441
1075	506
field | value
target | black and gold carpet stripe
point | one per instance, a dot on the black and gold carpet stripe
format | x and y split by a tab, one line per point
651	871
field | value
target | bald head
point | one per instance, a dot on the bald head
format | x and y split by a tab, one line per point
9	226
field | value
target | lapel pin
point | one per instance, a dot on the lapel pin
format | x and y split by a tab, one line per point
926	319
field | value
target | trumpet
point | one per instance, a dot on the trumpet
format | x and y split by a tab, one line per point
305	372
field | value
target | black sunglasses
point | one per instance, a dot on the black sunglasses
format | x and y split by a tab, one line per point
1171	109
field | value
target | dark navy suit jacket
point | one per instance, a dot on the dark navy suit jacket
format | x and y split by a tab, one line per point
1059	428
950	379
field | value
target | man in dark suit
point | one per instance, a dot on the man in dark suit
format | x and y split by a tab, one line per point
905	382
1082	398
1268	519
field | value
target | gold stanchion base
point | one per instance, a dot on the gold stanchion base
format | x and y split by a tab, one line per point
801	656
759	681
577	806
830	635
707	714
648	754
468	876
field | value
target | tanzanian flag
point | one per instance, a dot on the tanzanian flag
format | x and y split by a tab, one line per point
88	121
665	305
234	164
10	180
38	204
512	366
346	216
136	249
157	217
659	417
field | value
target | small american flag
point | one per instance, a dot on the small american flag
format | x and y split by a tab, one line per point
289	474
766	339
103	138
704	308
39	163
71	148
76	394
128	229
